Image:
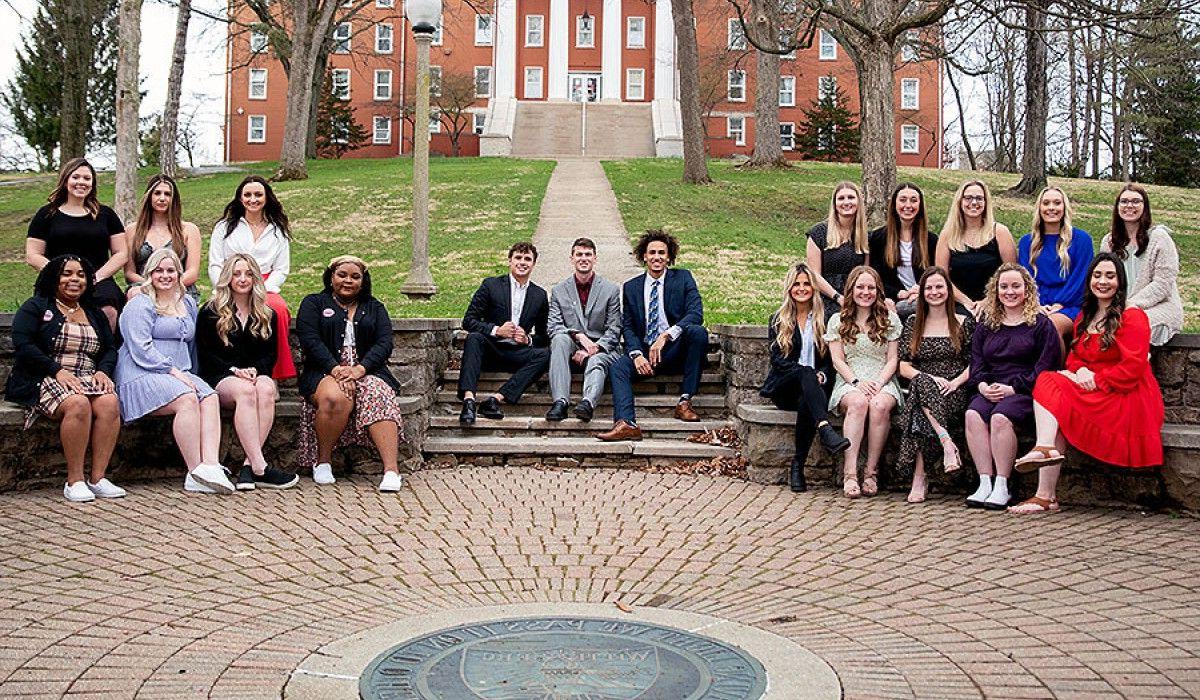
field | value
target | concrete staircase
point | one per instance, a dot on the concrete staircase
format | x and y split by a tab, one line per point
551	129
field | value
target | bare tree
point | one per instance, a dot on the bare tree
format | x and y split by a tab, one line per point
768	150
452	105
129	25
1037	100
170	122
695	165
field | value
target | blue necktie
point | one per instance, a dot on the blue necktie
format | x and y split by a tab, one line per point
652	317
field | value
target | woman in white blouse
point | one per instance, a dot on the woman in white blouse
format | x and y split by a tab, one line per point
254	223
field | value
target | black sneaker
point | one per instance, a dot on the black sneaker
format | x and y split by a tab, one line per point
273	478
245	480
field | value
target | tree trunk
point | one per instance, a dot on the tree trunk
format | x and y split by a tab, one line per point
1037	101
1073	101
74	19
311	21
170	120
129	29
768	151
962	119
322	67
687	59
877	125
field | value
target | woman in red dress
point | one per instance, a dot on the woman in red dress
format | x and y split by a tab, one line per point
1106	402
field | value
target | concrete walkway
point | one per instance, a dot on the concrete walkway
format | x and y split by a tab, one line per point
580	202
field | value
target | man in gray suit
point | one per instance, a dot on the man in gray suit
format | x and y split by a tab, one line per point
585	331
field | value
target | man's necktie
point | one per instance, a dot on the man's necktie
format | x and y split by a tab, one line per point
652	317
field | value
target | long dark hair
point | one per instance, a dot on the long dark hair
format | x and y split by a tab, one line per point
272	209
145	218
1111	322
1120	236
891	253
364	292
923	311
46	285
58	196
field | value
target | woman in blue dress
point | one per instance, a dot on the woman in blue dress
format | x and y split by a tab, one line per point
1057	255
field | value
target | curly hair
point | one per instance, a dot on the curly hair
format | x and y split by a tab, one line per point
993	310
652	235
784	319
47	280
878	323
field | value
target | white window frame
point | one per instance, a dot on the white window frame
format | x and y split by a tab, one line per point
435	81
483	30
908	49
250	128
828	46
437	35
910	132
487	72
334	75
535	30
258	41
785	37
540	83
739	134
250	93
735	39
342	34
375	130
478	122
831	81
635	38
787	136
739	85
910	93
435	123
385	3
384	38
787	89
387	94
585	32
630	83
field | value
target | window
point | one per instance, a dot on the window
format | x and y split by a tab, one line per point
256	128
483	81
635	33
910	93
383	84
437	35
478	122
828	51
735	128
483	30
910	138
737	34
383	38
533	29
341	83
827	87
635	84
382	130
258	84
533	82
786	39
385	3
435	81
910	49
585	32
435	123
341	38
787	135
737	86
787	91
258	41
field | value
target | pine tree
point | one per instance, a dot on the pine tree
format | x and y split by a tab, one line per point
1166	106
34	94
338	132
829	131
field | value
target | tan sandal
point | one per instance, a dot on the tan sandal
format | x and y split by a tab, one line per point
870	486
1036	504
950	465
1040	456
850	488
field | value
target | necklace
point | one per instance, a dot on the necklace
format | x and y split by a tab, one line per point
67	309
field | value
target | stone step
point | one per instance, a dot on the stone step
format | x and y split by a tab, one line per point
714	340
579	449
537	426
709	406
710	383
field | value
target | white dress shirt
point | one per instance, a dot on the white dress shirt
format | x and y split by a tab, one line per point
672	331
271	251
808	343
516	304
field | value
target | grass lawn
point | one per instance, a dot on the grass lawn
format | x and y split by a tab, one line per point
740	233
479	206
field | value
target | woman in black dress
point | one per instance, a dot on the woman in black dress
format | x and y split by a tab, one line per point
901	249
160	224
973	245
75	222
838	245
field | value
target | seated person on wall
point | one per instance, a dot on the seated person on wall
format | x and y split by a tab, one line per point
663	319
1057	255
64	354
1106	402
585	332
801	374
902	248
350	395
235	338
506	330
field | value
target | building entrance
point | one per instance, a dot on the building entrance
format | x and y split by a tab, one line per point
583	87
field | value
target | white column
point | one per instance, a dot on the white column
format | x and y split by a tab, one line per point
613	29
504	45
556	72
664	52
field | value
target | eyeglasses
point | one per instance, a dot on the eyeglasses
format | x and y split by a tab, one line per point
1130	202
974	199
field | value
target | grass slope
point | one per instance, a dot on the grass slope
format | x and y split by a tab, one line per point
740	233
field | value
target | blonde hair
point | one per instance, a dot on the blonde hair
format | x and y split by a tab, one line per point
835	236
259	322
785	317
878	322
170	307
1065	233
993	310
954	231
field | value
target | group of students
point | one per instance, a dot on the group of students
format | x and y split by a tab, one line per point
986	326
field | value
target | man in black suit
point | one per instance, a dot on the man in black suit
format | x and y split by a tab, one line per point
664	332
506	324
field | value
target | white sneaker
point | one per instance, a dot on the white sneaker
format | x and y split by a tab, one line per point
190	484
213	476
78	492
391	482
106	489
323	474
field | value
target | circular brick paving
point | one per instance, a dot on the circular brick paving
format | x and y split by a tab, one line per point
171	595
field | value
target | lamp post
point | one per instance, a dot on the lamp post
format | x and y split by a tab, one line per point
424	15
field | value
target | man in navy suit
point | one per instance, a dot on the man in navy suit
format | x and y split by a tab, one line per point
506	324
664	333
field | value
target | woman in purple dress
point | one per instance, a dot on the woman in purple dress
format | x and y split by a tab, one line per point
1013	343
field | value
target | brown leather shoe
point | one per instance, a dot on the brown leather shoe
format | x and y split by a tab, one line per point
684	412
621	431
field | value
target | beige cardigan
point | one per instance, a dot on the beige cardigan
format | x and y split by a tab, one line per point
1156	290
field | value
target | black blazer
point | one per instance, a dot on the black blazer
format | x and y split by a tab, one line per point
491	306
683	306
244	350
876	242
783	366
34	329
321	329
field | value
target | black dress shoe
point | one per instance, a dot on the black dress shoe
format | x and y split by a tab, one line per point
584	410
467	416
490	408
832	440
796	476
558	411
